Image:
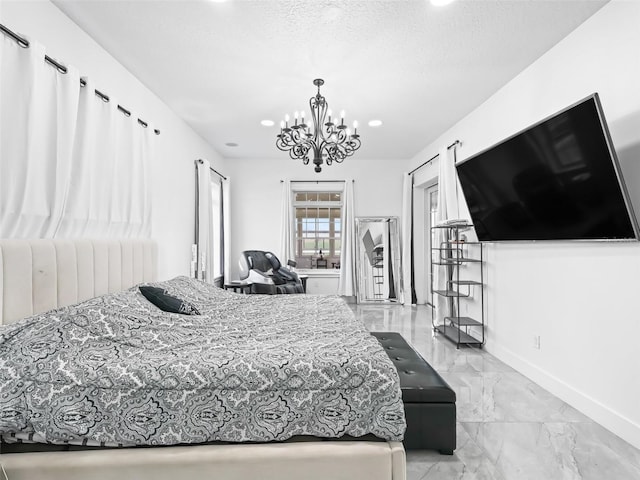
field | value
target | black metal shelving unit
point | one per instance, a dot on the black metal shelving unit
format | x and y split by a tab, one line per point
452	256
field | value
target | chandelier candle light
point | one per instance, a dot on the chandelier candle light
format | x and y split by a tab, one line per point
330	142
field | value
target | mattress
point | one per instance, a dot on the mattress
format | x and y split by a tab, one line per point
117	371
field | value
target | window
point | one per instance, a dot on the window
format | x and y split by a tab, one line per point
318	228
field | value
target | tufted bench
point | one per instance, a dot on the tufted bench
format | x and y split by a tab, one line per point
429	402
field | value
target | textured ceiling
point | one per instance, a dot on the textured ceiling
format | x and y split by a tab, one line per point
224	67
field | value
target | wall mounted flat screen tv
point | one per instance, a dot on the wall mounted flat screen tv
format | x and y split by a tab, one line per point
556	180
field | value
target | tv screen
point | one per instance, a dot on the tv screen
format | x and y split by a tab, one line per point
556	180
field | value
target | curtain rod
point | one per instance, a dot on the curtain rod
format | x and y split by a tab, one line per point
200	161
317	181
24	43
457	142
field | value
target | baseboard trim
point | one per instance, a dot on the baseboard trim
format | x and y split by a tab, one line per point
597	411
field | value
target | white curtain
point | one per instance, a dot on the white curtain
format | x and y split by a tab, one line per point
347	282
85	205
226	229
71	165
216	260
38	113
408	291
287	235
205	239
110	194
448	209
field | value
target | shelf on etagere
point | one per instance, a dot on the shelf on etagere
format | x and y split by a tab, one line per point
463	321
455	245
455	261
459	226
457	335
450	293
466	282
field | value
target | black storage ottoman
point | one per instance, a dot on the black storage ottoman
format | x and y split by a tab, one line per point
429	402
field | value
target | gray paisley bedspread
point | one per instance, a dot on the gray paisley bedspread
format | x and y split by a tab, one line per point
116	370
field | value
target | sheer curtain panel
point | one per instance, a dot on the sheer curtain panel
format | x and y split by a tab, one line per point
110	191
287	233
216	222
347	282
226	229
71	165
84	198
38	114
409	292
204	228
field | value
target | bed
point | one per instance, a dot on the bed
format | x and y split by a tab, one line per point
259	387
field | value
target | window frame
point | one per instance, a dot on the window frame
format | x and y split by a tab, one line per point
309	260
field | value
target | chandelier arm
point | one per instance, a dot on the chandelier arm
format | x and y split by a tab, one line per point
300	151
335	153
355	143
293	140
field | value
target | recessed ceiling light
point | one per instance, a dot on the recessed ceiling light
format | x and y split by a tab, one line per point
441	3
267	123
375	123
231	144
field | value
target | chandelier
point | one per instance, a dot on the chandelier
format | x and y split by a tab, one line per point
330	142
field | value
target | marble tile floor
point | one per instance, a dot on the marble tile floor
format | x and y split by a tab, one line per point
509	428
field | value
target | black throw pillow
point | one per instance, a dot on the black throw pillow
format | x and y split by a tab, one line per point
161	299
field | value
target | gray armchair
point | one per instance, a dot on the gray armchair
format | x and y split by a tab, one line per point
266	273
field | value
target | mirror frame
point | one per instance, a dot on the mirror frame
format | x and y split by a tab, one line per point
394	251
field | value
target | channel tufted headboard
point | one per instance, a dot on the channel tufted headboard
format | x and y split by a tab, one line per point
39	275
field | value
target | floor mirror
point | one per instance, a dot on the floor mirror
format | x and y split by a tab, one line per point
378	260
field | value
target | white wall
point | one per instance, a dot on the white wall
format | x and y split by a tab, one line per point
256	195
581	298
173	179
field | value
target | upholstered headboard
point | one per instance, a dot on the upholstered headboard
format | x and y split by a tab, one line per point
39	275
